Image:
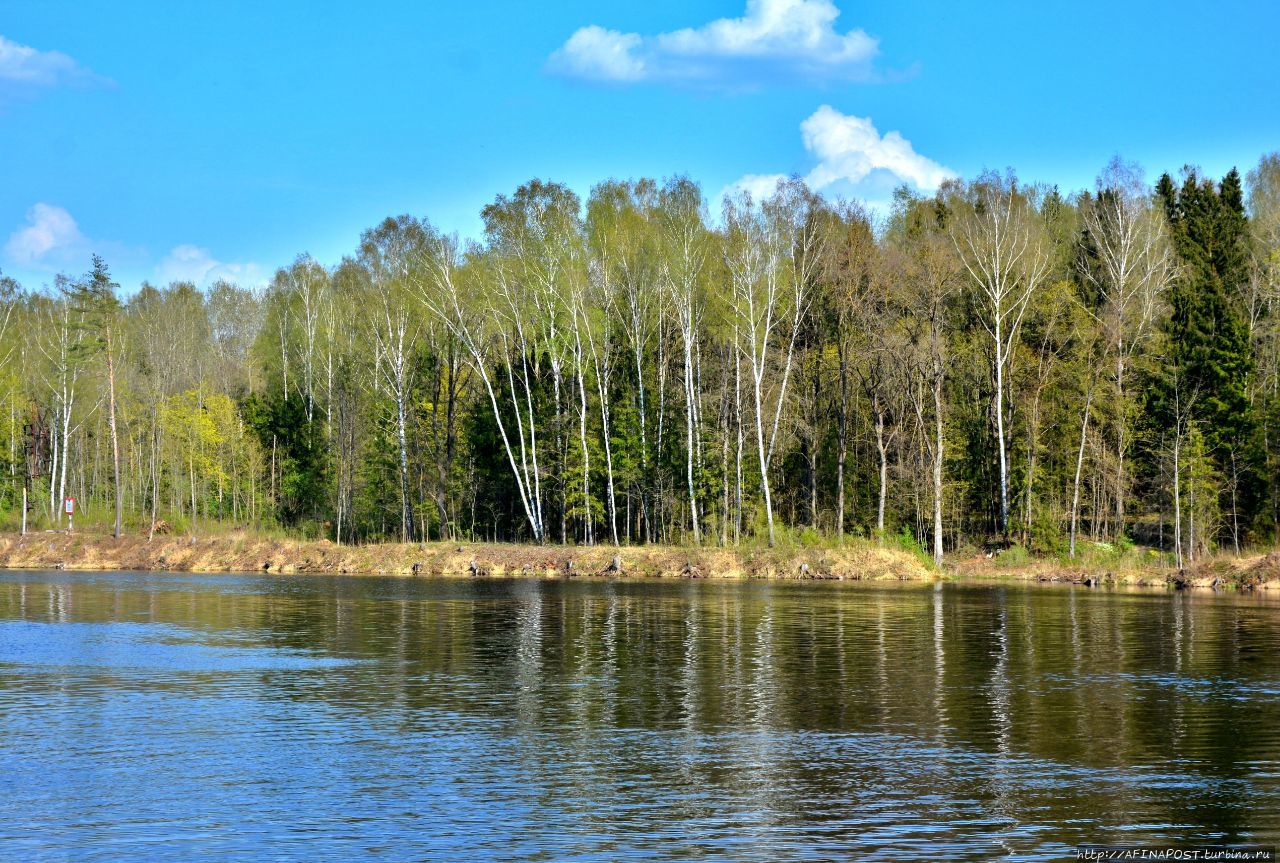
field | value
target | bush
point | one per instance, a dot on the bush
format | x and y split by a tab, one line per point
1014	555
809	538
1046	534
907	541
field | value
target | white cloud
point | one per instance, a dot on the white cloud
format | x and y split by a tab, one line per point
849	148
51	241
758	186
774	39
854	158
189	263
49	238
606	55
20	64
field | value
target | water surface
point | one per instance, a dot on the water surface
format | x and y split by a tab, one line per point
191	717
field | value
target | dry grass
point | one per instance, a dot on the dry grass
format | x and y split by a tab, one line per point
1136	566
859	561
245	552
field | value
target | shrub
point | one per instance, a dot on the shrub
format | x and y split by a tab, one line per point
907	541
1013	556
1046	533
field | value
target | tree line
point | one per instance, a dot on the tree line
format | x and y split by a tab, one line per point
997	362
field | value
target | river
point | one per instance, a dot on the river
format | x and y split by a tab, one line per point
214	717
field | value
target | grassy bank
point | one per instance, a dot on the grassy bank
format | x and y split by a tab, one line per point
1104	564
244	552
858	560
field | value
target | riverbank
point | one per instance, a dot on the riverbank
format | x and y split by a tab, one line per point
245	552
857	561
1136	567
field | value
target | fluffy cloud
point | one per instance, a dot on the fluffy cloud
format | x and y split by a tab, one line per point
23	65
849	148
758	186
600	54
853	157
49	239
188	263
774	39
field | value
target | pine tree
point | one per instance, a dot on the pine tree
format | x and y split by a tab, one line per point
94	297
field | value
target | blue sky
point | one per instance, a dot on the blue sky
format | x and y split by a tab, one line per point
223	139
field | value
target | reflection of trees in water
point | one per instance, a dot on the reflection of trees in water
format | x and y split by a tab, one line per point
1157	702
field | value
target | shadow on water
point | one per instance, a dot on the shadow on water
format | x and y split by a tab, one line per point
205	717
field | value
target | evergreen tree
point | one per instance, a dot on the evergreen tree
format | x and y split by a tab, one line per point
94	299
1208	337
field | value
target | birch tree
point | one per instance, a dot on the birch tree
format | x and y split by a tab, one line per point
624	274
306	285
389	254
772	253
848	264
1005	253
931	275
450	294
1129	262
536	255
60	341
684	258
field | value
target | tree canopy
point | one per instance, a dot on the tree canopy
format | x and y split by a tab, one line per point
996	362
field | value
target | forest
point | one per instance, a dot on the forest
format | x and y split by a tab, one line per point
1000	362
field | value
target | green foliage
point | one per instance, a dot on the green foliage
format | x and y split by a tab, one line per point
1046	533
286	406
810	538
94	301
1208	338
1013	557
906	540
296	452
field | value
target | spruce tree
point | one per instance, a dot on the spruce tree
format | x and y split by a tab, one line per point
1209	341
